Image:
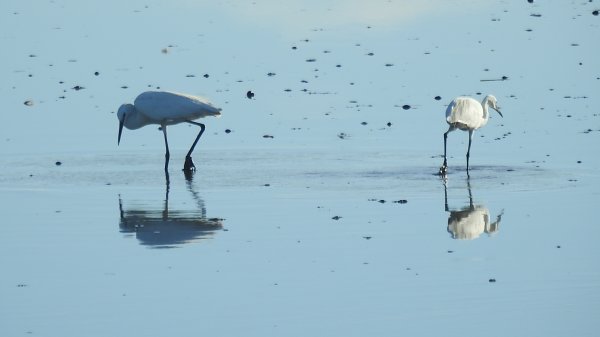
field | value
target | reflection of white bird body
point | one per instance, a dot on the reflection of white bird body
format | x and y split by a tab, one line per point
471	222
467	114
163	228
166	108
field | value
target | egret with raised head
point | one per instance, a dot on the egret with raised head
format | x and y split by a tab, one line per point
467	114
166	108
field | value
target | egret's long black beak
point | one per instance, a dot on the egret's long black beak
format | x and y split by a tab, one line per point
120	131
498	111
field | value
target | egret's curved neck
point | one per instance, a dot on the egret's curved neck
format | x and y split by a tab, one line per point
135	120
484	105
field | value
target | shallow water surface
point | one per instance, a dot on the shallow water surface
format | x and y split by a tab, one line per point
316	209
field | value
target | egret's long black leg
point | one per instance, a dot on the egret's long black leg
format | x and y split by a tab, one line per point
167	155
469	149
189	164
444	168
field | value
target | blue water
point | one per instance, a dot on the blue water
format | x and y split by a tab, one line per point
337	225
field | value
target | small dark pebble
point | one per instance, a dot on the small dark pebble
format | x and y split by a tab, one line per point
28	103
389	64
579	162
558	246
437	98
250	94
595	12
530	1
268	136
58	163
227	131
267	185
190	75
337	217
401	201
206	75
389	124
535	15
311	60
406	107
270	74
96	73
381	201
367	237
363	123
450	251
492	280
370	54
78	87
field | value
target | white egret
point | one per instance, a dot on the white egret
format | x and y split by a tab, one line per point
166	108
467	114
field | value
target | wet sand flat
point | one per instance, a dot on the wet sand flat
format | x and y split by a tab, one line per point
315	209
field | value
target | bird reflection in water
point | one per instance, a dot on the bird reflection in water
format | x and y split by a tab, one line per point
470	221
167	228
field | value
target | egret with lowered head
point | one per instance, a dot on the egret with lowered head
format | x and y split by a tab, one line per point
166	108
467	114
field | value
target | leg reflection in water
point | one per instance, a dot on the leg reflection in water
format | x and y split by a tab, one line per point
470	221
162	227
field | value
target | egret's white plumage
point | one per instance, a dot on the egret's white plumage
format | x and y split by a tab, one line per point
166	108
467	114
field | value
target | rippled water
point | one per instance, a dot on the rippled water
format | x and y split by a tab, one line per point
333	224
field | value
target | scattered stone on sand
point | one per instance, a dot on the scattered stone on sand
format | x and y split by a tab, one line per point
271	74
595	12
401	201
342	135
206	75
492	280
363	123
311	60
367	237
337	217
406	107
96	73
28	102
227	131
437	98
78	87
389	124
250	94
268	136
58	163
